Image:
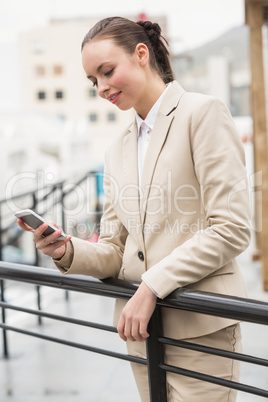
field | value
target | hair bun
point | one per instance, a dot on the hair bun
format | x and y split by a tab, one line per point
152	29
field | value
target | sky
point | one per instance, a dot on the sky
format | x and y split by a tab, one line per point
190	22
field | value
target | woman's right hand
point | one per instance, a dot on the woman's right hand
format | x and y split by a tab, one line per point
48	244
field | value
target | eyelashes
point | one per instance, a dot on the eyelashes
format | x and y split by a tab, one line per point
107	74
110	72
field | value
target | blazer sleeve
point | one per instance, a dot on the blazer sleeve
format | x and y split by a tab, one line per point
219	162
103	259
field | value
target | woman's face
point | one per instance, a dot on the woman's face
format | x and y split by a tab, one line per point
118	76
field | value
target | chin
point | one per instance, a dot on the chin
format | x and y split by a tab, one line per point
124	108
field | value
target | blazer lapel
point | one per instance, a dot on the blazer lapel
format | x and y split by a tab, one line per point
157	141
158	137
130	189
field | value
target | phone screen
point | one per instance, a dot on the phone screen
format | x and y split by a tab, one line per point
34	221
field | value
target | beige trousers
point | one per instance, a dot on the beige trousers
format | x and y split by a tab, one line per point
185	389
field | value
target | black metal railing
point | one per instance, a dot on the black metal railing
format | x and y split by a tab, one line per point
246	310
46	200
53	199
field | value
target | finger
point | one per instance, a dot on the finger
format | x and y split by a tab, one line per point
24	225
143	330
120	328
128	330
44	241
38	233
60	243
135	331
55	224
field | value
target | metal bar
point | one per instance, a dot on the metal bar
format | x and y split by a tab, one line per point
39	304
2	289
79	283
59	317
62	198
215	380
247	310
38	295
67	192
24	194
214	351
250	310
3	314
63	222
237	308
117	355
155	355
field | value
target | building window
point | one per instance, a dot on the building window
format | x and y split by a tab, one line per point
58	70
59	95
111	116
41	95
40	71
92	93
93	117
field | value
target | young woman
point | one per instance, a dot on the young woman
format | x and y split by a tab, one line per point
176	210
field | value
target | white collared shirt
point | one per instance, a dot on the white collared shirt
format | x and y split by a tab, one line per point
145	128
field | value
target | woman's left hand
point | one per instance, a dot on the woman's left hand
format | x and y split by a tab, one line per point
136	314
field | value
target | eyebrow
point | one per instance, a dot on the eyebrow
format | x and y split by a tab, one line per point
98	70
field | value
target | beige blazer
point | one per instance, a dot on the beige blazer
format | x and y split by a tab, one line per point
187	221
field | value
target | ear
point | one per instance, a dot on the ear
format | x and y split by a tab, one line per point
142	53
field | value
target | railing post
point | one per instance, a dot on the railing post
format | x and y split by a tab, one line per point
35	205
6	354
63	221
63	217
98	207
155	356
2	288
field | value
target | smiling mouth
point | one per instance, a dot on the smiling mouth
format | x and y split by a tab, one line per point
114	97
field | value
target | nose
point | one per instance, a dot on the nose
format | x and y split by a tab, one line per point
103	88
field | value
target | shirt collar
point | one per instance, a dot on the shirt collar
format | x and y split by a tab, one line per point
151	116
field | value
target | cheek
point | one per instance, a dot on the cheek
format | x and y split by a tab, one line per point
126	78
122	79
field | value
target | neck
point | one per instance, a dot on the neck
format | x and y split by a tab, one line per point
151	94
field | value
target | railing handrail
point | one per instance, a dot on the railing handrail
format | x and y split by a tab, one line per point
39	196
52	187
242	309
32	191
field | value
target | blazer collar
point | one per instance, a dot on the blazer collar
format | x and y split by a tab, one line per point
171	98
130	164
169	103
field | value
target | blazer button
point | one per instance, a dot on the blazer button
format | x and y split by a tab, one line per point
141	255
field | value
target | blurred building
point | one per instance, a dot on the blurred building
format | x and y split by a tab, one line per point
54	83
36	150
220	68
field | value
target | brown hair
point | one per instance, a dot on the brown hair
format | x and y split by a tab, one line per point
127	34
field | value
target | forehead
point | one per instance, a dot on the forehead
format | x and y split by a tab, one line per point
96	53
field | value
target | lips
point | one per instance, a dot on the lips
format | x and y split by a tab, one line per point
114	97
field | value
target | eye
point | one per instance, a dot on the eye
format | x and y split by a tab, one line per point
95	83
110	72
